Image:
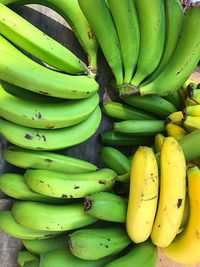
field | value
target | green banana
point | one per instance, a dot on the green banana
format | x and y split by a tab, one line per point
18	69
140	127
152	37
24	256
45	115
124	112
143	254
30	159
12	228
25	35
93	244
50	139
98	15
63	185
126	21
112	138
71	12
50	217
13	185
106	206
33	263
175	99
153	104
115	160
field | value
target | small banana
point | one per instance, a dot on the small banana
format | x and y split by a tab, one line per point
175	131
143	195
176	118
172	193
93	244
159	139
24	256
50	217
106	206
191	123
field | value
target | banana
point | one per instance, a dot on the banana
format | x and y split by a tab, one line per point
71	12
38	247
193	111
106	206
115	160
175	99
93	244
126	21
50	217
185	248
46	115
112	138
30	159
195	95
175	131
159	139
152	37
39	139
124	112
33	263
12	228
180	67
98	15
144	254
172	193
63	185
143	195
191	123
24	256
18	69
140	127
176	118
152	104
25	35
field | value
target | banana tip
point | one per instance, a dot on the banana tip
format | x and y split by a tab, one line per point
126	90
87	204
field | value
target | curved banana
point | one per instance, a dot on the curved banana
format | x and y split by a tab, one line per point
45	115
175	131
185	248
30	159
106	206
93	244
143	195
191	123
126	21
63	185
124	112
50	217
152	37
158	142
98	15
24	256
50	139
12	228
18	69
176	117
25	35
172	193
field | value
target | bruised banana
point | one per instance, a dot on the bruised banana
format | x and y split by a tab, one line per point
63	185
31	159
39	139
25	35
18	69
24	256
50	217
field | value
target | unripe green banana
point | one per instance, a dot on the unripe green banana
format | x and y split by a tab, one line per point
98	15
144	254
25	35
14	229
45	115
126	21
50	217
153	104
140	127
33	263
124	112
112	138
63	185
24	256
31	159
50	139
106	206
93	244
18	69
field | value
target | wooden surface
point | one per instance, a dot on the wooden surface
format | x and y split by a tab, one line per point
52	24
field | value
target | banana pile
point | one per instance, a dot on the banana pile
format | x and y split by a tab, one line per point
68	211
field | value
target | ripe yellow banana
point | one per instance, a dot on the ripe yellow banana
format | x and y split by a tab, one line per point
143	195
172	193
175	131
158	142
176	118
191	123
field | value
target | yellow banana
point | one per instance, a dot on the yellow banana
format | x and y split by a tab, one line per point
158	142
175	131
176	118
191	123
